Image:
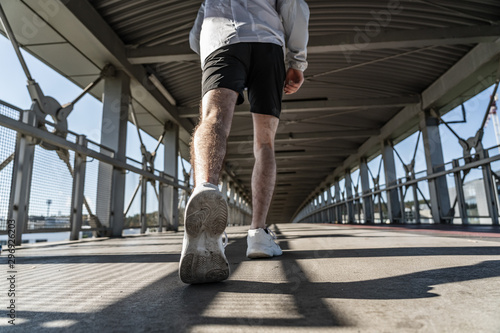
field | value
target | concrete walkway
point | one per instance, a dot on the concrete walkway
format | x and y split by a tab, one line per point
331	278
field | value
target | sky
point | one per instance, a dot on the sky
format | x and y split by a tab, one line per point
86	119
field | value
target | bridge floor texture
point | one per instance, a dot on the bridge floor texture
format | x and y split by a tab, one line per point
331	278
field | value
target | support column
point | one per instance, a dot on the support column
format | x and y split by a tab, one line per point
459	189
365	189
329	201
393	206
170	197
338	199
111	181
21	179
78	191
490	189
144	199
349	197
438	187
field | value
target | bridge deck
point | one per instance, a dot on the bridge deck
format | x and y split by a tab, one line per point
331	278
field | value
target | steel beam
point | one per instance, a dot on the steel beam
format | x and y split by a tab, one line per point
393	206
338	199
332	107
365	188
490	189
280	137
350	43
346	43
171	194
349	196
438	187
111	180
459	191
21	178
77	196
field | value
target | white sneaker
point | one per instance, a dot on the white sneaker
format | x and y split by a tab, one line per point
261	244
202	257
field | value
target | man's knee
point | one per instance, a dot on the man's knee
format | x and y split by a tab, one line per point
264	149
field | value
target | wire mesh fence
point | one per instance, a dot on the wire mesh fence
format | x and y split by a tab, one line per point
7	150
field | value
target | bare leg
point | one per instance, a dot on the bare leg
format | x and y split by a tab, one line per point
208	146
264	171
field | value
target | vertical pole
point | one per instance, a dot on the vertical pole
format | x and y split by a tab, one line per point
438	187
415	200
338	199
393	206
349	197
329	201
144	197
401	191
111	181
78	190
171	167
365	189
21	178
231	203
489	189
459	189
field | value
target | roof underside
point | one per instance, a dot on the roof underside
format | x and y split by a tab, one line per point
368	62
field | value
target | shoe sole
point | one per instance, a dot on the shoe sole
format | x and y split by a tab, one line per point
206	220
257	255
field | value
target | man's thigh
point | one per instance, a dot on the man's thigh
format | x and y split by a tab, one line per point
266	79
227	67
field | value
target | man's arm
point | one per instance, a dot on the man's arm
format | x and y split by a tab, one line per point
194	34
295	17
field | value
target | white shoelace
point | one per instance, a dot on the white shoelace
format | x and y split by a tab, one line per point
226	239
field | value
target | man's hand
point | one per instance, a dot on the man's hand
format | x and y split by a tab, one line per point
293	81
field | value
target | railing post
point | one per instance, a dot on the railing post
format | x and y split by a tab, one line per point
170	198
21	178
365	189
393	207
110	201
349	197
78	190
438	187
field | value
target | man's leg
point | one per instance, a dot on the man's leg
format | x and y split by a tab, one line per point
260	240
202	258
208	147
264	170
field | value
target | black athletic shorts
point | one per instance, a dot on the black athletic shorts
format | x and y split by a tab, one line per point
259	67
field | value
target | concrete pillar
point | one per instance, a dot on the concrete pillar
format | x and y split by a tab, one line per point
365	189
110	180
21	179
170	194
438	187
393	206
78	191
